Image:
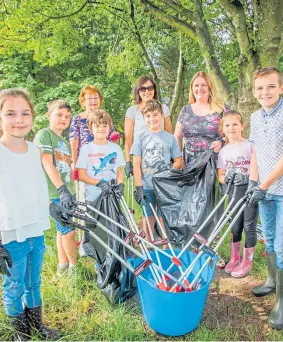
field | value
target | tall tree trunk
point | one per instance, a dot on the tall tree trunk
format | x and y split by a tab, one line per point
269	38
178	85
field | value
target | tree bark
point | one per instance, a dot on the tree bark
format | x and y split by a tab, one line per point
178	86
247	60
270	19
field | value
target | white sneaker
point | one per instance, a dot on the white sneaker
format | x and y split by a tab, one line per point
62	270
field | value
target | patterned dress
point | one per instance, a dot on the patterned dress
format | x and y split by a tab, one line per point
198	132
79	130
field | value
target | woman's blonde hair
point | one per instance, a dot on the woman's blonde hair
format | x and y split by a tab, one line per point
99	117
216	104
90	89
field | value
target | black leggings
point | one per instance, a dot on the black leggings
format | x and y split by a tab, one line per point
247	221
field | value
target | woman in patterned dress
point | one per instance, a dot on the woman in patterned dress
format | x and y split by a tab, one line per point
198	121
197	127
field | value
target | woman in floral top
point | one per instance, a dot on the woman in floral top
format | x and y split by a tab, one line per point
198	124
198	121
90	100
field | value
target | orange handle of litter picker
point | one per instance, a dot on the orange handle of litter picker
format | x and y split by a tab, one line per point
176	261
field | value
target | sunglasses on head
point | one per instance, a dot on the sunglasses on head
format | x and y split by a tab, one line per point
149	88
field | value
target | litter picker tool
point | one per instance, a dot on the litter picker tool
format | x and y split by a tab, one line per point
131	234
218	244
147	262
165	237
197	236
205	248
136	230
152	239
130	194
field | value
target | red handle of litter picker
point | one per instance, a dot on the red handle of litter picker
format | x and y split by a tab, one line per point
142	267
160	242
129	237
200	238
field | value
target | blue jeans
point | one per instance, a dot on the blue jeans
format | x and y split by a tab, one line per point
271	216
63	230
150	195
23	286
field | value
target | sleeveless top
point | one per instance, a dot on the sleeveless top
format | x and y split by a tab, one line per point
24	209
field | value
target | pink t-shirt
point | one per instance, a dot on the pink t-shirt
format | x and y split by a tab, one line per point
236	156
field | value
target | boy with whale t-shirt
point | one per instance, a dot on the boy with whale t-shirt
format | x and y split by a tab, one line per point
100	161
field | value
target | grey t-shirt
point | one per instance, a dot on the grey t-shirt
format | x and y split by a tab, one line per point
134	113
236	156
156	151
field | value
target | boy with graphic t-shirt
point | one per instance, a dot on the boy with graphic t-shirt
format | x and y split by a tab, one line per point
152	152
100	161
234	165
56	160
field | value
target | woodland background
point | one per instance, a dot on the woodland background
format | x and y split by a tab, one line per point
53	48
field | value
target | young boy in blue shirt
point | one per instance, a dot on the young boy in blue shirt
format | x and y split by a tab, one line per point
266	180
152	152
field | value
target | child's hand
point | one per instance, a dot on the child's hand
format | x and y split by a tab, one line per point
121	188
216	146
256	194
139	194
66	199
230	176
129	169
241	179
105	187
5	258
60	214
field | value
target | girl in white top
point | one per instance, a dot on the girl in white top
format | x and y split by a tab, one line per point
24	216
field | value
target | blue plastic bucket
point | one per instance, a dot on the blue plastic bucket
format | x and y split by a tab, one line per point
175	314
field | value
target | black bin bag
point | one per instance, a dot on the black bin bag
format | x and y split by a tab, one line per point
114	279
186	198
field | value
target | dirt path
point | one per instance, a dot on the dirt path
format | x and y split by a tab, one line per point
230	304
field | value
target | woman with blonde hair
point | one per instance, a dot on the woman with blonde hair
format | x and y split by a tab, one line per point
198	121
197	127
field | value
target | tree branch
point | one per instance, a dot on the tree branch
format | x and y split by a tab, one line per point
178	8
170	20
50	17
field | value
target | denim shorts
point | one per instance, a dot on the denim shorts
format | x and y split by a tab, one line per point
150	195
61	229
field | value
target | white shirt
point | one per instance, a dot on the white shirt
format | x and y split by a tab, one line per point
24	209
101	162
135	114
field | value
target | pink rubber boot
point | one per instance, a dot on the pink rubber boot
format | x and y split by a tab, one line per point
245	265
235	256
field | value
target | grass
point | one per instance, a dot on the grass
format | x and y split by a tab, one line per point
81	312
